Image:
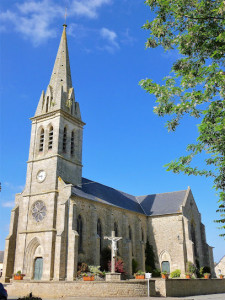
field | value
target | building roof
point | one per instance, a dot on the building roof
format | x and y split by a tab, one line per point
1	256
150	205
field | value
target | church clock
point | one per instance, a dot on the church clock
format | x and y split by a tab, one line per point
41	175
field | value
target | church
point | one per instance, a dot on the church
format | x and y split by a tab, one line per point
60	219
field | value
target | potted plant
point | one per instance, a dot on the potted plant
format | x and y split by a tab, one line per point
221	276
165	275
88	276
188	275
18	275
139	275
206	275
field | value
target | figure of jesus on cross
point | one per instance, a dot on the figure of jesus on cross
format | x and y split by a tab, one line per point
114	249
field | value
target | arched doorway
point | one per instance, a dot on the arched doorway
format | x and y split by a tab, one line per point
38	268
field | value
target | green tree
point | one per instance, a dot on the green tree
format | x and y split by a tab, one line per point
196	84
149	258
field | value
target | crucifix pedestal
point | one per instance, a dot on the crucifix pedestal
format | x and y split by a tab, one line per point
113	276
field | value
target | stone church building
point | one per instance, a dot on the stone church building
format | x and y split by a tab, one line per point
61	219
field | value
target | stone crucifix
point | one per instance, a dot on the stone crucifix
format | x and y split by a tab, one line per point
114	240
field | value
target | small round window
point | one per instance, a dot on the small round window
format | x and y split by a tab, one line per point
39	211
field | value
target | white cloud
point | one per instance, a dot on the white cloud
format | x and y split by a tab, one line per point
33	19
10	186
8	204
87	8
111	39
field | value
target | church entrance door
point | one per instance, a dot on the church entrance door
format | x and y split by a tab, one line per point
38	268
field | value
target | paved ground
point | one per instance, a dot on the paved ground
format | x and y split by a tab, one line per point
202	297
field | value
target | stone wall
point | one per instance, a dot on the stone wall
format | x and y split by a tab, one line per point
189	287
46	289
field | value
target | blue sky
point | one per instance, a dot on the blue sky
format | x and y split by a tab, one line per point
125	145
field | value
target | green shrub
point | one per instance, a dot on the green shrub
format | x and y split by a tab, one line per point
175	274
149	257
156	273
191	268
134	266
105	258
204	270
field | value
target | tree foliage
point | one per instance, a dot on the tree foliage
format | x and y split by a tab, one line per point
149	257
196	84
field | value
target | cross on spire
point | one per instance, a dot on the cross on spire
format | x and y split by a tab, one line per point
65	15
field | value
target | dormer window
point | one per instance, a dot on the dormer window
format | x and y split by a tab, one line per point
72	143
64	139
50	138
42	137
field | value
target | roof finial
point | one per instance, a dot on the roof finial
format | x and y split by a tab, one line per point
65	17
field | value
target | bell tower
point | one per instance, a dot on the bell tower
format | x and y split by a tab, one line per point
57	130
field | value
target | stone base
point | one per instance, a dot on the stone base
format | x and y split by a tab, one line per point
112	276
83	289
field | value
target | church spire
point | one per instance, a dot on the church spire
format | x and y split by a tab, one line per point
60	93
61	72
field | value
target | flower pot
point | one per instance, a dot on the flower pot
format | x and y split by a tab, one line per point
139	276
188	276
18	277
89	278
206	276
165	276
221	276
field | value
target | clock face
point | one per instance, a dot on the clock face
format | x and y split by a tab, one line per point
41	175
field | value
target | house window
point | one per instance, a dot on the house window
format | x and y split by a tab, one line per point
80	232
72	143
42	137
64	139
50	138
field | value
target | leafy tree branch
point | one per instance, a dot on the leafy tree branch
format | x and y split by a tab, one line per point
196	84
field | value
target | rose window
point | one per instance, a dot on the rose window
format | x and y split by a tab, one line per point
39	211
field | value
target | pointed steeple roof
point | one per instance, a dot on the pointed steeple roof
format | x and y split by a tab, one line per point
61	72
60	92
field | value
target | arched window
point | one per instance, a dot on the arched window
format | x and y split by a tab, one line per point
64	139
116	229
165	266
142	235
80	232
42	137
131	240
72	143
50	138
99	232
130	233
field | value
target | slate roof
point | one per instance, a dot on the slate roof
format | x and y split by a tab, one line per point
161	204
150	205
1	256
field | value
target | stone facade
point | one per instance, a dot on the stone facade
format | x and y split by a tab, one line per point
220	267
55	224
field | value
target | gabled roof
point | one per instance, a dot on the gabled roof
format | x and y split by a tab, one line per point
1	256
161	204
150	205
